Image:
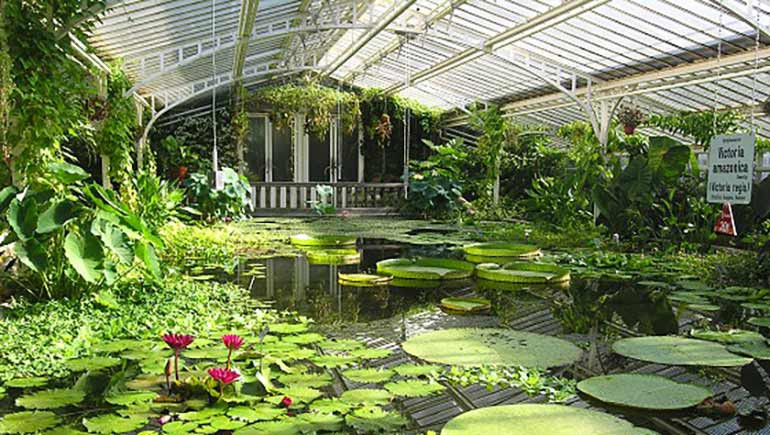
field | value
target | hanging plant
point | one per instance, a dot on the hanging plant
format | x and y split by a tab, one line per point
318	103
630	117
384	129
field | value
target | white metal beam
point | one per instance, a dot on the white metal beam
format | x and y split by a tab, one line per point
744	11
536	24
245	27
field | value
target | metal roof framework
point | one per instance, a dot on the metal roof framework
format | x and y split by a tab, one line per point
544	61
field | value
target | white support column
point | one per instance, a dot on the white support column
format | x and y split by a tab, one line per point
139	142
360	149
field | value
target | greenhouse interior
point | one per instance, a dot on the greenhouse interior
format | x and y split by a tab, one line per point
437	217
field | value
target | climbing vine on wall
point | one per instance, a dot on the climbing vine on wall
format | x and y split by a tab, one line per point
319	103
5	98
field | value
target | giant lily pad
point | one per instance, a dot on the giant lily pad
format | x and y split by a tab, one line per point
538	419
460	305
363	280
727	337
333	256
477	347
502	249
644	391
678	351
112	423
426	268
760	321
322	240
754	349
51	399
535	273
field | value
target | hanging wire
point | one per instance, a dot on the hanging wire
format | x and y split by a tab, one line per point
719	67
214	76
756	68
407	123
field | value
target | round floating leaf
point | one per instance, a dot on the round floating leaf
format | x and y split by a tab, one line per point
361	396
308	338
477	347
533	273
180	427
125	398
368	376
333	256
113	423
288	328
221	422
678	351
315	422
28	422
373	419
426	268
759	306
301	394
334	361
312	380
51	399
502	249
709	308
323	240
218	353
92	363
539	420
363	279
727	337
417	370
31	382
288	426
465	305
644	391
342	345
754	349
66	430
330	406
261	412
413	388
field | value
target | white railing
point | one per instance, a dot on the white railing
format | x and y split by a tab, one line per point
345	195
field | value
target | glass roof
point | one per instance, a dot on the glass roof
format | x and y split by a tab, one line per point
534	57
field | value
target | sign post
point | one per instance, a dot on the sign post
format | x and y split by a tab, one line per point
731	169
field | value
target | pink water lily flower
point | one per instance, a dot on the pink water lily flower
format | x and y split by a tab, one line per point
232	341
225	376
178	341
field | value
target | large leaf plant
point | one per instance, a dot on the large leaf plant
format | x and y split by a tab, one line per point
69	236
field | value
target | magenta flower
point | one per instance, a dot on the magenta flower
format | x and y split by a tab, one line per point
232	342
178	341
224	376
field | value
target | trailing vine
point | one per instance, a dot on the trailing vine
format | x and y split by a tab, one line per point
379	110
117	125
240	127
697	125
6	85
319	104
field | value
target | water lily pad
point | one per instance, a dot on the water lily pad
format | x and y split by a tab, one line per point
414	388
502	249
426	268
373	419
315	422
535	273
417	370
678	351
423	284
288	328
333	256
539	419
307	338
342	345
222	422
644	391
727	337
363	279
312	380
28	421
477	347
66	430
368	375
260	412
759	306
37	381
180	427
112	423
92	363
119	346
322	240
709	308
754	349
330	406
361	396
287	426
301	394
760	321
334	361
51	399
465	305
125	398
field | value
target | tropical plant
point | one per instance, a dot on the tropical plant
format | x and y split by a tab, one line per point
434	186
324	205
630	117
700	126
72	237
158	201
229	202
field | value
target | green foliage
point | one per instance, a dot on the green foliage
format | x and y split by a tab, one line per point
435	187
324	205
71	234
532	381
116	131
319	104
28	422
700	126
228	203
644	391
157	201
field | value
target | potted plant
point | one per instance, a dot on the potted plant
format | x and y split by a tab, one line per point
630	117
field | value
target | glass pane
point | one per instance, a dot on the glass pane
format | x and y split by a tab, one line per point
254	149
318	154
283	163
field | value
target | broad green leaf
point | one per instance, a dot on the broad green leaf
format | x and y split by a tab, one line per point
124	398
373	419
27	382
92	363
360	396
643	391
146	253
6	196
50	399
106	299
678	351
28	422
260	412
22	216
85	254
67	173
32	254
57	214
114	239
368	375
113	423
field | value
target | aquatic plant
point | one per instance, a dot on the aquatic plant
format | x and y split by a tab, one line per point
177	342
224	376
232	342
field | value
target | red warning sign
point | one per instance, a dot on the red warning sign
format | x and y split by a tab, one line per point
726	224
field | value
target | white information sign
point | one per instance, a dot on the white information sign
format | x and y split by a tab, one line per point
731	169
